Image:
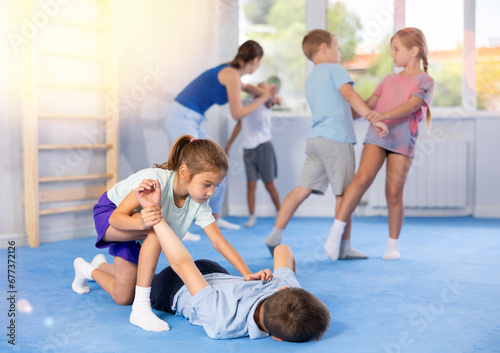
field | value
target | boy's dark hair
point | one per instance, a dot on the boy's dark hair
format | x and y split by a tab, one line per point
312	41
295	315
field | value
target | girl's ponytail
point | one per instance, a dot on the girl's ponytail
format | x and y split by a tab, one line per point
246	53
199	155
237	62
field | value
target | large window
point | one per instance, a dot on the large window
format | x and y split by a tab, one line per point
467	71
488	55
278	26
445	44
363	28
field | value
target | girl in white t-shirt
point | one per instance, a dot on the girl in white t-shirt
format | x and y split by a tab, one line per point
188	179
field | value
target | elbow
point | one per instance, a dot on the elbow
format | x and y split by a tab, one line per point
112	220
237	116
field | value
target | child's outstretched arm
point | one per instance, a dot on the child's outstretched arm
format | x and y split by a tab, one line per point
177	255
226	249
359	105
230	78
235	133
413	104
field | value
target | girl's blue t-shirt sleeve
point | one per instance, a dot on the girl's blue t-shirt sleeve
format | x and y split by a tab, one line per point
340	76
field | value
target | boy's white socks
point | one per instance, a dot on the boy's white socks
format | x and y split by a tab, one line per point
332	244
251	221
142	315
392	250
349	253
83	273
222	223
274	239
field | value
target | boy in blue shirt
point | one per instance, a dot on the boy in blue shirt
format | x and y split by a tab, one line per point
329	147
227	306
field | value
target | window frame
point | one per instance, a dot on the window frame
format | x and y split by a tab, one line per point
316	18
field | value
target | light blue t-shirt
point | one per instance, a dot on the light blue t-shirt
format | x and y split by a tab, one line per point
331	113
225	307
179	219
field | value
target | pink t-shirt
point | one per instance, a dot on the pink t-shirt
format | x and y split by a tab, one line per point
393	91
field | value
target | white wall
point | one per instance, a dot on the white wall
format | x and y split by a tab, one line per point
487	168
163	42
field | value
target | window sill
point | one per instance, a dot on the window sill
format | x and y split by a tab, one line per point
437	113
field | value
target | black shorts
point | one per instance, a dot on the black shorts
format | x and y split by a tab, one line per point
167	283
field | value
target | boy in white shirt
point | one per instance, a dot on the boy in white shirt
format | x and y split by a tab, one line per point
258	152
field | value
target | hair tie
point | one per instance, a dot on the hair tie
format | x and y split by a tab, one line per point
192	139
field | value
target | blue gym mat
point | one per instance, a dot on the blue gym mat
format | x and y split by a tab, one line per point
443	295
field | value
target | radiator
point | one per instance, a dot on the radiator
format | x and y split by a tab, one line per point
437	178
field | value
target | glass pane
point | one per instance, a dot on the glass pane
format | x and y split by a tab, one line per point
278	26
364	29
488	54
442	24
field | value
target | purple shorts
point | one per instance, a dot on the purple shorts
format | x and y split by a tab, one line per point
128	250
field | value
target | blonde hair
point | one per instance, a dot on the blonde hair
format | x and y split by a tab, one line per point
413	37
246	53
199	155
312	41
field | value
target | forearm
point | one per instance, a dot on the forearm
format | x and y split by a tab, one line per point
358	105
402	110
235	134
355	114
231	255
123	221
243	111
253	90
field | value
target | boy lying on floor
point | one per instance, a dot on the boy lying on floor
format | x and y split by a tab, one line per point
227	306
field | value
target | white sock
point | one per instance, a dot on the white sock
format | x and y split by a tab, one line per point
392	250
222	223
83	273
274	239
251	221
191	237
332	244
348	253
142	315
98	259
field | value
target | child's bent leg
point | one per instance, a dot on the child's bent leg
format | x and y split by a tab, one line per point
142	315
345	251
121	285
251	187
372	159
274	194
290	204
397	170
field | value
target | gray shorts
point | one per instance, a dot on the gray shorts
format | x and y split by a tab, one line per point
260	162
327	161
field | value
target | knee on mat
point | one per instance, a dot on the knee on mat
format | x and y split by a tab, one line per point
124	299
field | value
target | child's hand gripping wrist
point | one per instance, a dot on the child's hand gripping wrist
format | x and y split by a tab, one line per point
151	216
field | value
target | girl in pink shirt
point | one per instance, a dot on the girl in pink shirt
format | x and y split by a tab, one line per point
402	99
